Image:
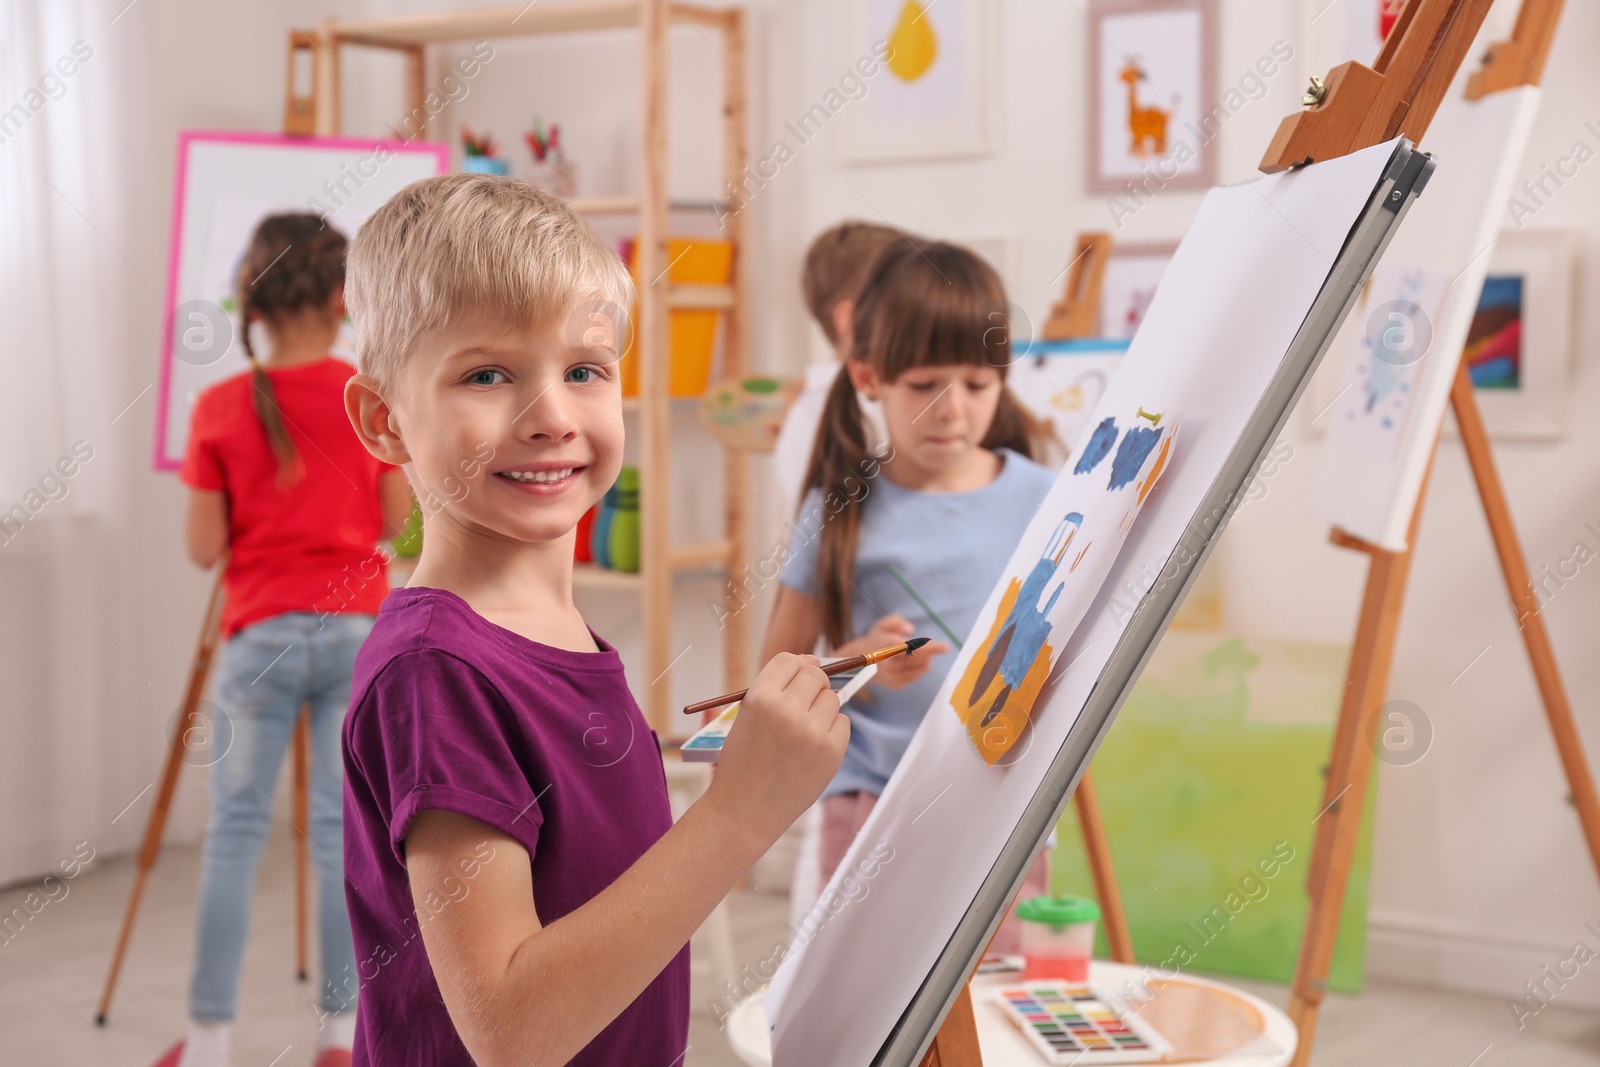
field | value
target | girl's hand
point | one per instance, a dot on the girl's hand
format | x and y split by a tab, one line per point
784	748
897	672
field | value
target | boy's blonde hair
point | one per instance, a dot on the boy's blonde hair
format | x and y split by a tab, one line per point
461	246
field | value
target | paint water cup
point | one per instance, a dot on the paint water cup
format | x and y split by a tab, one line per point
1057	937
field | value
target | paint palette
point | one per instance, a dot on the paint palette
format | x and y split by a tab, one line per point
1078	1024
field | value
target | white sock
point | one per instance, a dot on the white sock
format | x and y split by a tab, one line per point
207	1045
338	1031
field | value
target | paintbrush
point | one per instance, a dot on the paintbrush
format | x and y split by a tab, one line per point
854	663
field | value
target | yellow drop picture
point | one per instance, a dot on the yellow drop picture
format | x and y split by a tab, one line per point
912	46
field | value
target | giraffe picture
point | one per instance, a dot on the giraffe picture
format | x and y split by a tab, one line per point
1151	86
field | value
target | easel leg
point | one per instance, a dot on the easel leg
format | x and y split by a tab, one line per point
1087	804
956	1043
1350	770
1534	635
301	809
156	827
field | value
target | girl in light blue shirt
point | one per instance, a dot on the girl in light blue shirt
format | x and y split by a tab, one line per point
945	501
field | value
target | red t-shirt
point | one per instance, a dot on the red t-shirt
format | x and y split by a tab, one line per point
309	547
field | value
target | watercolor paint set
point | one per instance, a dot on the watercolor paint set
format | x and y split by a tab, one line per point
1069	1023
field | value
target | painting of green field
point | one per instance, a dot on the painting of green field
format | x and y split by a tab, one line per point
1208	782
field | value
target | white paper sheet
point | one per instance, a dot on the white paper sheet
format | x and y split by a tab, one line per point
1371	492
1227	311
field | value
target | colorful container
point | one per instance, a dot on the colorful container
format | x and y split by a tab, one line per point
692	332
1057	937
624	552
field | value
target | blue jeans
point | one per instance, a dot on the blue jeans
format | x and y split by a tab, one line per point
266	673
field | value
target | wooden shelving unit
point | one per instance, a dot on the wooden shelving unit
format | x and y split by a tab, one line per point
410	35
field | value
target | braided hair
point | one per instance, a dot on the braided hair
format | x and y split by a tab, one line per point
294	261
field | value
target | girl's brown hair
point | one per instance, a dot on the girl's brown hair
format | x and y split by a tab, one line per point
931	304
294	262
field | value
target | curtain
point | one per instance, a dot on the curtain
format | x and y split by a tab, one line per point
82	697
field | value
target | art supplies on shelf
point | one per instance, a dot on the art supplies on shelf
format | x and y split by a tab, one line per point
550	168
1079	1024
706	746
478	154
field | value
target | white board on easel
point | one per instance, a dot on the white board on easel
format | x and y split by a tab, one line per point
225	183
1386	417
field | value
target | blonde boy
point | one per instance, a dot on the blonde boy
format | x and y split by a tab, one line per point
518	891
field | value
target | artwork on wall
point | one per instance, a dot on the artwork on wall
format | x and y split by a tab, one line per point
935	93
1401	305
1519	346
1132	273
1152	69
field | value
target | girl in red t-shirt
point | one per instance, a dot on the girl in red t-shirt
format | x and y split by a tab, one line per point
280	483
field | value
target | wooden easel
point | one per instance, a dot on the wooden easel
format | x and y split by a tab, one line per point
155	828
1359	107
1074	315
956	1043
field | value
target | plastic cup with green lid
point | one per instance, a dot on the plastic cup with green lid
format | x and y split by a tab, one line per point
1057	937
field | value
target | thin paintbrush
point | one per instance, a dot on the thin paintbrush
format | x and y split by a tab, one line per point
905	583
854	663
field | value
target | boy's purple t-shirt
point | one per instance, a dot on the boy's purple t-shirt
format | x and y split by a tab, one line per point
451	712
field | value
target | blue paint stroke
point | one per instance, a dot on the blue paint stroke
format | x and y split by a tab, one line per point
1131	454
1100	442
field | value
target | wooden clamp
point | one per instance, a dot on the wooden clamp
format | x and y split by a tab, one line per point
1519	61
1361	106
1075	314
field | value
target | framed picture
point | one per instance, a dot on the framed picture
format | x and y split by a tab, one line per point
1519	347
1132	273
935	94
1152	78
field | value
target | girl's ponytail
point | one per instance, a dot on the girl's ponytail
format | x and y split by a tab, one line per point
838	462
265	402
294	262
1014	428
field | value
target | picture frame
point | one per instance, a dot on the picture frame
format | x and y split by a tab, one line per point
1160	51
936	95
1535	407
1133	271
1519	349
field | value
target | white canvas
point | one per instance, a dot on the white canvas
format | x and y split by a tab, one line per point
1371	493
1236	294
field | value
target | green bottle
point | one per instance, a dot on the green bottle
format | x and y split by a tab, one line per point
624	554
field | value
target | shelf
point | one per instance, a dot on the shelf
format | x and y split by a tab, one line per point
521	20
628	205
706	297
681	559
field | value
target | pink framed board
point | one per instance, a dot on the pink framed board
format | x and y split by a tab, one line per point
225	182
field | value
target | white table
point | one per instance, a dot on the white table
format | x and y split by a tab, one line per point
1199	1016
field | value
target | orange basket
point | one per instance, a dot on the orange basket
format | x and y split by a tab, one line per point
692	333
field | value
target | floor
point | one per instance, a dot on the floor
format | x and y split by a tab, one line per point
52	969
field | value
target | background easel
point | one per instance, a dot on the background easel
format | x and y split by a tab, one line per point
956	1043
1361	106
155	829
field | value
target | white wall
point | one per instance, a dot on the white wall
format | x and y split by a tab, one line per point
1453	900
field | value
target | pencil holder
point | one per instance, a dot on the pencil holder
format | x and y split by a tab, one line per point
625	523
